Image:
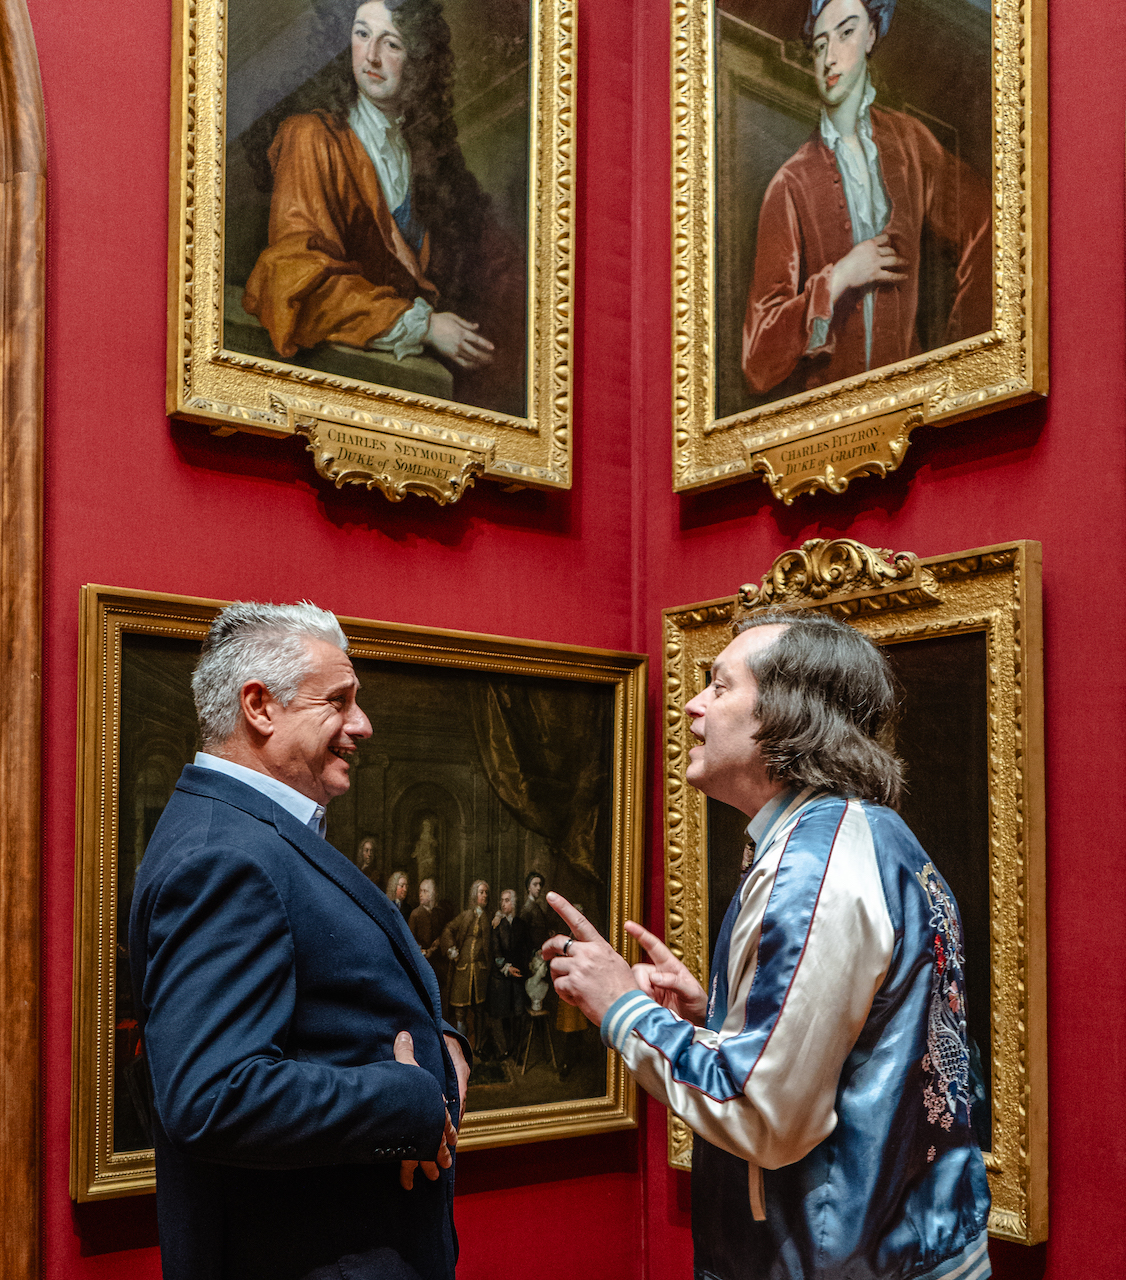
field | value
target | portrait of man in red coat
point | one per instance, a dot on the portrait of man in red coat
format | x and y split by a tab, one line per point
837	287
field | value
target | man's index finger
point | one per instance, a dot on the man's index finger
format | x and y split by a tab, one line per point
579	925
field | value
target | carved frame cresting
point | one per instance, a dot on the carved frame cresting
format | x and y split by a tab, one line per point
992	590
99	1172
363	432
826	437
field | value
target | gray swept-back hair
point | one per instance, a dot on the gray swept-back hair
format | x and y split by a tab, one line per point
252	641
826	707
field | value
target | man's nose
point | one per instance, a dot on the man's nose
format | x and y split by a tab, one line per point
373	52
358	726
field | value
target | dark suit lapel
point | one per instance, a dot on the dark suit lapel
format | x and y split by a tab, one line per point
329	862
351	880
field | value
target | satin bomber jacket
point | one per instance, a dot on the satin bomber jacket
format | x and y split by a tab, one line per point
831	1080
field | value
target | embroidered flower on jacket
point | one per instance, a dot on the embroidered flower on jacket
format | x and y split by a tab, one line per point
947	1059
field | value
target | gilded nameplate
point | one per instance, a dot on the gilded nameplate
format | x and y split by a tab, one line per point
830	459
394	455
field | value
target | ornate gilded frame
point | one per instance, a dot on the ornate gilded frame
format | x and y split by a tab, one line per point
994	590
361	432
97	1170
824	438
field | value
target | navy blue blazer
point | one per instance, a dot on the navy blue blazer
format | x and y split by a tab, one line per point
271	978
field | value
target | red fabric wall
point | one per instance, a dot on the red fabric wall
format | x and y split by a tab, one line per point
134	501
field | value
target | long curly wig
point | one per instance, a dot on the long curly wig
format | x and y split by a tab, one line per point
446	198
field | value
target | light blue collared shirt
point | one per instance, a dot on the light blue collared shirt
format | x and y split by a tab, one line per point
306	811
773	814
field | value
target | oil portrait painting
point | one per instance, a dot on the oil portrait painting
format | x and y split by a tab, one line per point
372	228
855	252
377	192
962	634
854	225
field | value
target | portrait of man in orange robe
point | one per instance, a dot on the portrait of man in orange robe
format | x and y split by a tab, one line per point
380	236
836	284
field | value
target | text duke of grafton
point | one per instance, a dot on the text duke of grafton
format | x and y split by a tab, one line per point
842	447
398	449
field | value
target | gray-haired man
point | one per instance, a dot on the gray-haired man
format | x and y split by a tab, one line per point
825	1071
300	1066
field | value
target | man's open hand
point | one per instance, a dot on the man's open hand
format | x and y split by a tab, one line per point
590	973
666	980
404	1052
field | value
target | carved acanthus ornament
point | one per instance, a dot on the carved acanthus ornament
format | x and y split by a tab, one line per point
842	576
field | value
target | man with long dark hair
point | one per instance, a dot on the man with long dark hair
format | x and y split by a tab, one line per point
380	236
825	1071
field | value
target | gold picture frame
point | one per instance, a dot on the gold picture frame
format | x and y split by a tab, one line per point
744	101
136	732
409	425
985	697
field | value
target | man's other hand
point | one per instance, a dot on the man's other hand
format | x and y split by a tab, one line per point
666	980
585	968
404	1052
461	1069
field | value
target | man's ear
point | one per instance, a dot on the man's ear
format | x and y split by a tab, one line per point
258	707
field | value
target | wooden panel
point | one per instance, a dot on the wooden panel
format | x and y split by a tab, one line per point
22	227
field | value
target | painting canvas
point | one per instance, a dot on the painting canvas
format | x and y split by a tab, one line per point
860	273
929	123
496	770
309	276
371	227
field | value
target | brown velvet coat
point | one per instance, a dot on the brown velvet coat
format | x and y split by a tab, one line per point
336	267
804	229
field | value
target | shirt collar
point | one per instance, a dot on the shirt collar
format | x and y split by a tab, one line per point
774	814
830	135
302	808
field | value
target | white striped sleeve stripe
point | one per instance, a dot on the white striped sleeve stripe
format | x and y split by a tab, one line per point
971	1264
623	1015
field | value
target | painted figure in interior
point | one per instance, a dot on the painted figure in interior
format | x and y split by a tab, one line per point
468	942
836	281
512	951
365	859
534	912
380	237
398	883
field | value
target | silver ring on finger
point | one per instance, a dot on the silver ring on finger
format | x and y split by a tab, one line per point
567	946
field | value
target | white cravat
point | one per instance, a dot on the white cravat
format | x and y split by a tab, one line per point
867	201
380	137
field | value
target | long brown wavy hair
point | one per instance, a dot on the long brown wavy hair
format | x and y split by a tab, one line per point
445	197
